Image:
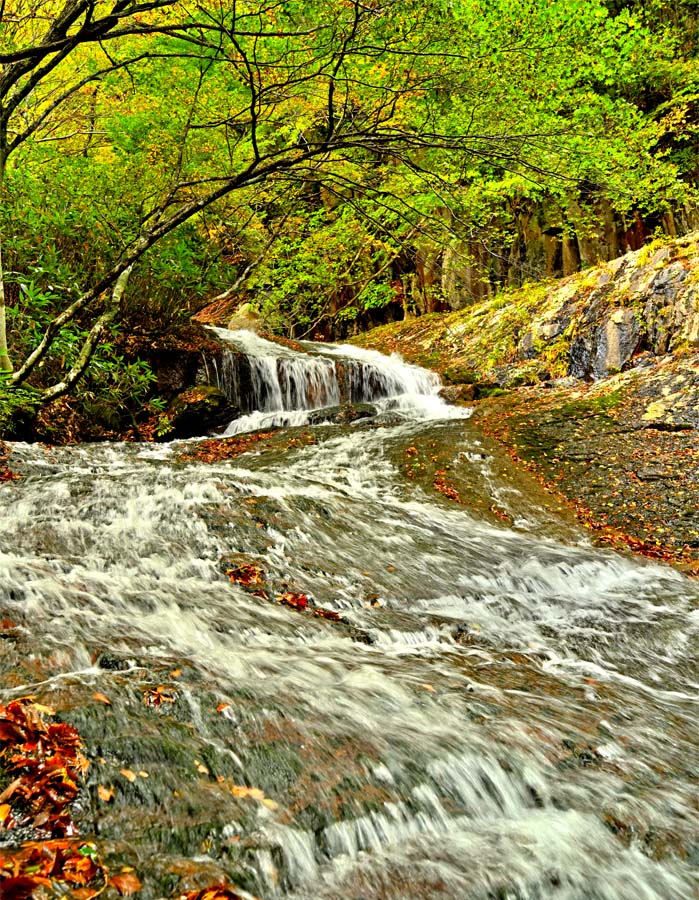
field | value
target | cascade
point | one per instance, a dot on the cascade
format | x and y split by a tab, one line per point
274	385
490	711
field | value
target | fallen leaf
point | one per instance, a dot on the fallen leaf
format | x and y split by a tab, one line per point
20	888
128	775
102	698
44	710
295	601
105	794
127	883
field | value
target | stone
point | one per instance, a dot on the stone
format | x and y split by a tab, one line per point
245	318
526	348
342	415
199	410
618	338
458	393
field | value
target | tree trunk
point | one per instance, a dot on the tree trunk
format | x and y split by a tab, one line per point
5	364
91	341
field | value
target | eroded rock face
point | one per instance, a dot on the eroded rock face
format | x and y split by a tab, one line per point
606	347
637	303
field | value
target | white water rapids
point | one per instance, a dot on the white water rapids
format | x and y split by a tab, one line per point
505	714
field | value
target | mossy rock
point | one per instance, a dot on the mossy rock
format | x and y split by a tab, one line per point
460	375
199	410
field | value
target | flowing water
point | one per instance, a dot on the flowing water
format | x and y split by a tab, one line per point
502	712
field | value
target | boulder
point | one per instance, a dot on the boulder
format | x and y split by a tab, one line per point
342	415
458	393
199	410
245	318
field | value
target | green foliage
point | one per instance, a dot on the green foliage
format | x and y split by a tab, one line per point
505	109
18	408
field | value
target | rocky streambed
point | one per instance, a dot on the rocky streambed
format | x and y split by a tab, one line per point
372	660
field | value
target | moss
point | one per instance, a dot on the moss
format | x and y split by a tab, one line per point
645	254
591	405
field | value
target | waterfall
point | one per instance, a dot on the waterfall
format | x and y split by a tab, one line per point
274	385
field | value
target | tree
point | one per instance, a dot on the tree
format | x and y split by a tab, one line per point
232	109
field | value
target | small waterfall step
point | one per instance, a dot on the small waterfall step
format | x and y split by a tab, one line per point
274	385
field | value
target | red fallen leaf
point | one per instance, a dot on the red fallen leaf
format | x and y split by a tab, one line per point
19	888
11	733
329	614
6	624
46	761
157	696
64	736
10	789
126	883
246	575
295	601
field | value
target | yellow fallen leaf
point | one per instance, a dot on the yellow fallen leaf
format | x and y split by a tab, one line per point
143	774
102	698
105	794
241	790
128	774
270	804
175	673
5	811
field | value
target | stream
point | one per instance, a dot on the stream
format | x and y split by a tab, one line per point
500	711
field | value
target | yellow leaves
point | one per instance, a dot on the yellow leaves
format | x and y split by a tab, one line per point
252	793
105	794
43	710
131	776
5	811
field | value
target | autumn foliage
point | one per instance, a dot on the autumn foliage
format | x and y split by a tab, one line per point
44	763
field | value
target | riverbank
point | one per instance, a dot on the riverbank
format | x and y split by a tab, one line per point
621	448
